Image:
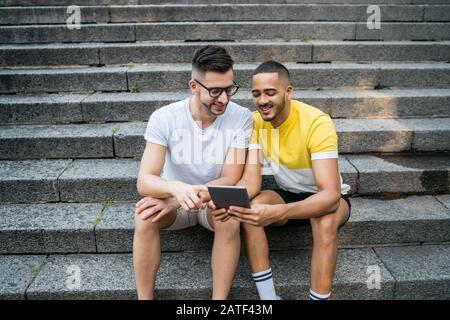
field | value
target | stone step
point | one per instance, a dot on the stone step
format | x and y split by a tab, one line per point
408	272
224	31
124	106
98	54
176	77
223	12
126	140
108	227
144	2
94	180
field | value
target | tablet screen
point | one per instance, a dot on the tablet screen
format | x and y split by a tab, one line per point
226	196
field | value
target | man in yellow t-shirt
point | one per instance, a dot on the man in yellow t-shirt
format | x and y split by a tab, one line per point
299	142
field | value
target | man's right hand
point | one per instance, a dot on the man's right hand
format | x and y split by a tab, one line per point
188	195
148	206
218	214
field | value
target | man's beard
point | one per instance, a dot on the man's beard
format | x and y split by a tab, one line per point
210	107
280	109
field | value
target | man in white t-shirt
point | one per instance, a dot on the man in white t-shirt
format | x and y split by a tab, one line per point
189	144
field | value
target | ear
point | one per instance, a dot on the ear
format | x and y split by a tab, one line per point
193	86
289	92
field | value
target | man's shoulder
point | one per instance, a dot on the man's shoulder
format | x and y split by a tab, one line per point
310	114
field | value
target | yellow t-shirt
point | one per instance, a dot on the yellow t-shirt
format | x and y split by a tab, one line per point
308	134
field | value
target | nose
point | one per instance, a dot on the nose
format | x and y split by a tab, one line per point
262	100
223	98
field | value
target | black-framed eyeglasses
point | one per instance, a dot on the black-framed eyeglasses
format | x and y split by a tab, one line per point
216	92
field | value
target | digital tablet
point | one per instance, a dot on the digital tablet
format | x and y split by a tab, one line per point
226	196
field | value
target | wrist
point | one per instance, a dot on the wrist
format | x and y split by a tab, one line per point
281	210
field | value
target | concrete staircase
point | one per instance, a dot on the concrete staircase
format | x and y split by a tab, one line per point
73	110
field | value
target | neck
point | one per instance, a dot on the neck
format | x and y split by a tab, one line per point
282	116
201	114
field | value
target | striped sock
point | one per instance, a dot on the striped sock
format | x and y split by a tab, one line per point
316	296
264	284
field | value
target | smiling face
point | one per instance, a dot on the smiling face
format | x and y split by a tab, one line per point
210	79
271	97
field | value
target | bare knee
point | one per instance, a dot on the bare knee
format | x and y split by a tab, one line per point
228	229
325	229
145	227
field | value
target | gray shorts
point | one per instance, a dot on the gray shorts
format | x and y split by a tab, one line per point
186	219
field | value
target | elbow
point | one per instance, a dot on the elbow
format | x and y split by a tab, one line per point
140	187
335	201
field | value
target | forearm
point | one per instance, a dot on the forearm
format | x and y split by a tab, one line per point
253	186
155	186
323	202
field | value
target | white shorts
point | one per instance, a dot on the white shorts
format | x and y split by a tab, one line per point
186	219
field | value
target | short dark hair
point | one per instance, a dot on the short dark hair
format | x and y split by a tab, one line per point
212	58
272	67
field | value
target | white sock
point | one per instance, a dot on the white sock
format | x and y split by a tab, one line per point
317	296
264	284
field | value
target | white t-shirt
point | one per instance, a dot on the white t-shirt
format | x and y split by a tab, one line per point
195	155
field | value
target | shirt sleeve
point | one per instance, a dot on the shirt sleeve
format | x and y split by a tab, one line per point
157	130
322	140
254	138
242	137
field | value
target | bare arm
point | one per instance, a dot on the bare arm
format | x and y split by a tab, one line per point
251	179
326	200
149	182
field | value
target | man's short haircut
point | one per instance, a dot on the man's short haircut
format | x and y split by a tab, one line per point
273	67
212	58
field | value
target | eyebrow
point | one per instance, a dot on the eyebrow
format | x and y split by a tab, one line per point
265	90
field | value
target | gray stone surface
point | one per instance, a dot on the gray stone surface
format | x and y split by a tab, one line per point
407	75
437	13
41	109
115	233
63	80
179	52
402	174
60	33
100	277
188	276
194	31
367	135
135	2
50	15
245	51
430	134
16	274
409	220
444	199
99	179
51	55
101	107
52	141
260	12
404	31
129	139
390	103
30	181
349	174
421	272
380	51
42	228
291	275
